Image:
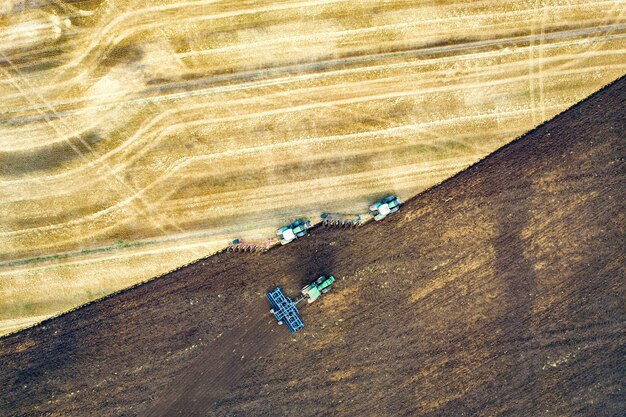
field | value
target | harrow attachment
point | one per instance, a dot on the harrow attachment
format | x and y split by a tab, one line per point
341	220
284	310
238	245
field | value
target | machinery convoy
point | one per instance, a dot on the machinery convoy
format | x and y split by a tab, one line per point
284	309
299	228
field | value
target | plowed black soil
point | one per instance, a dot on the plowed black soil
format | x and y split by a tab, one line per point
499	292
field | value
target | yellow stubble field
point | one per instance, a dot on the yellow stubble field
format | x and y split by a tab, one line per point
137	136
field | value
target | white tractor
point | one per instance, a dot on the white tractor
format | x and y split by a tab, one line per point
293	231
387	205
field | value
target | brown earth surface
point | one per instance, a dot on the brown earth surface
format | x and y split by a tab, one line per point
499	292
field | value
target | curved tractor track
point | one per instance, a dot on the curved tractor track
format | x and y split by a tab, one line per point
499	292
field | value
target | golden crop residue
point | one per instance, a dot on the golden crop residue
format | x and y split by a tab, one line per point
341	375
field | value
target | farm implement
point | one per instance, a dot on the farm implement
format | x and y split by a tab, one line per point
285	310
239	245
342	219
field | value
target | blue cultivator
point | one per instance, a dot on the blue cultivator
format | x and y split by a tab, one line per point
285	310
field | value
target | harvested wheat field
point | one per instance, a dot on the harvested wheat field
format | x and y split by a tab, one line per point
137	136
499	292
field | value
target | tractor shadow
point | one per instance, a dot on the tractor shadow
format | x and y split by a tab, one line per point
309	257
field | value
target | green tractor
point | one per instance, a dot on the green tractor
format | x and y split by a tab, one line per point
285	310
320	286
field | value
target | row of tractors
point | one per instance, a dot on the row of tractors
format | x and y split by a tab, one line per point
284	309
299	227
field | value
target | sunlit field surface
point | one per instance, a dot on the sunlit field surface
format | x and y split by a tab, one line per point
137	136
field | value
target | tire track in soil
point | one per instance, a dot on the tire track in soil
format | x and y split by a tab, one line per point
217	371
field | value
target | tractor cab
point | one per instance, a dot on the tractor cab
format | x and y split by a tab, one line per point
387	205
320	286
293	231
